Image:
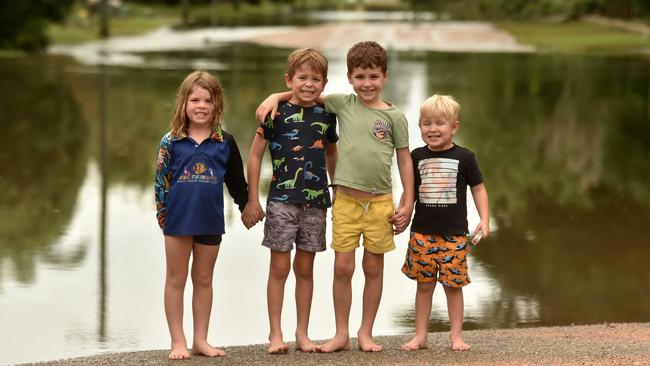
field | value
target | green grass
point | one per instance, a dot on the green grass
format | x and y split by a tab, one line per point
136	19
575	37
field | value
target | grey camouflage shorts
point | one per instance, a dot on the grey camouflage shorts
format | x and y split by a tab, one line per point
288	223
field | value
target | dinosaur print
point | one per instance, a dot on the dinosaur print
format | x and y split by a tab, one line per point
289	183
319	110
323	127
296	117
291	135
277	163
274	146
308	174
318	144
284	197
296	148
311	194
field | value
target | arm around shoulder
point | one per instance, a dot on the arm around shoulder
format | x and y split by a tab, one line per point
270	105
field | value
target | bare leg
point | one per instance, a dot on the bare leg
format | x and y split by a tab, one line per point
303	269
278	272
177	255
342	294
455	309
373	270
203	260
423	298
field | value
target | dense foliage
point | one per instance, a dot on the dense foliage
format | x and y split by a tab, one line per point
23	23
532	9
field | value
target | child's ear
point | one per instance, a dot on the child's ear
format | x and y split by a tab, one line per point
324	82
455	126
349	78
287	80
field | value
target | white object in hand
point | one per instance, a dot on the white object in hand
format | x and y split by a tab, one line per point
477	237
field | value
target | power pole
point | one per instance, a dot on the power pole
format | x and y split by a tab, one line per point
103	23
185	12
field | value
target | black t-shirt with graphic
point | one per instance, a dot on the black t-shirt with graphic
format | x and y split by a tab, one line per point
298	138
441	180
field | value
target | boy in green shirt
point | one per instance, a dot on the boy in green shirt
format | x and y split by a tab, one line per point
371	130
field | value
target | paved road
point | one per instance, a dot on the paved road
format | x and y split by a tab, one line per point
605	344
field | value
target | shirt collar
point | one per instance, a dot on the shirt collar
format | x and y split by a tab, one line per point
217	135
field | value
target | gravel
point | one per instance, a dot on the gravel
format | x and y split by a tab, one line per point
603	344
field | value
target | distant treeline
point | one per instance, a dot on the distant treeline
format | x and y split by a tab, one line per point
465	9
536	9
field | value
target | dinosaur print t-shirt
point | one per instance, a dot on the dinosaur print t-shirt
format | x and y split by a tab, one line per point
298	137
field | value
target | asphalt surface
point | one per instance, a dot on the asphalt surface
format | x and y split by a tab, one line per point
603	344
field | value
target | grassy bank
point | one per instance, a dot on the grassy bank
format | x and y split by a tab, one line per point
576	37
132	19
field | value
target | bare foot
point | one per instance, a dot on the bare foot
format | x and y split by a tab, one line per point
277	345
414	344
457	344
205	349
366	344
338	343
305	344
179	352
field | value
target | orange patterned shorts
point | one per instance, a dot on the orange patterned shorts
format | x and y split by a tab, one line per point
431	257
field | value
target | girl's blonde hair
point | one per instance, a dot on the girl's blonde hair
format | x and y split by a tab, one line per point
445	105
180	122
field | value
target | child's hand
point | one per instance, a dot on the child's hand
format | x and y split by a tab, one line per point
401	219
252	214
269	105
483	226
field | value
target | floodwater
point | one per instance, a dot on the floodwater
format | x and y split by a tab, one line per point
563	143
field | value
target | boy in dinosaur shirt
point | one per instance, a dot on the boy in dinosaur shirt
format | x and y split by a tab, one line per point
302	141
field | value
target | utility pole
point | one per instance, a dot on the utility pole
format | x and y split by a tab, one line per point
103	23
185	12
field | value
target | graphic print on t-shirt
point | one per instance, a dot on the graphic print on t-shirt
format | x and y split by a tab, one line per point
438	181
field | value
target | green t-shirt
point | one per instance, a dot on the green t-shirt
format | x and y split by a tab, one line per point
368	139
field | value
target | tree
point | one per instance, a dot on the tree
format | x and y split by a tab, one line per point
23	23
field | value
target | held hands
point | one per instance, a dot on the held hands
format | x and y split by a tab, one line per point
401	219
252	214
269	105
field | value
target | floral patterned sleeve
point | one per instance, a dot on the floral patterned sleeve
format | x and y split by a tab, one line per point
163	179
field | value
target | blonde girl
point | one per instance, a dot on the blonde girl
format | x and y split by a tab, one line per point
195	159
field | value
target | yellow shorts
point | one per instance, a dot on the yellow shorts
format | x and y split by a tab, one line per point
353	217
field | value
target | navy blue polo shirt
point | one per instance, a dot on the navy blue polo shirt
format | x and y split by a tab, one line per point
195	174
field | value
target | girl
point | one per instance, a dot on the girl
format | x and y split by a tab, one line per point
194	160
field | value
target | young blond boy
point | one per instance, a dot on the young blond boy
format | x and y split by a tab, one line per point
371	131
302	141
438	246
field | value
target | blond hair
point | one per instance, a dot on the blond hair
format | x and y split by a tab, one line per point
180	123
307	56
367	54
444	105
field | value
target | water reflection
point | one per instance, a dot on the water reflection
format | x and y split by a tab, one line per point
564	144
43	144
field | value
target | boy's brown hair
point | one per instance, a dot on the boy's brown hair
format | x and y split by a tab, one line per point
180	122
367	54
307	56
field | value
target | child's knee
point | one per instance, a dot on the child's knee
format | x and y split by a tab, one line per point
372	271
201	279
426	287
343	270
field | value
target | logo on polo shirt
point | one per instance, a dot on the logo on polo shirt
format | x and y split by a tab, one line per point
381	129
